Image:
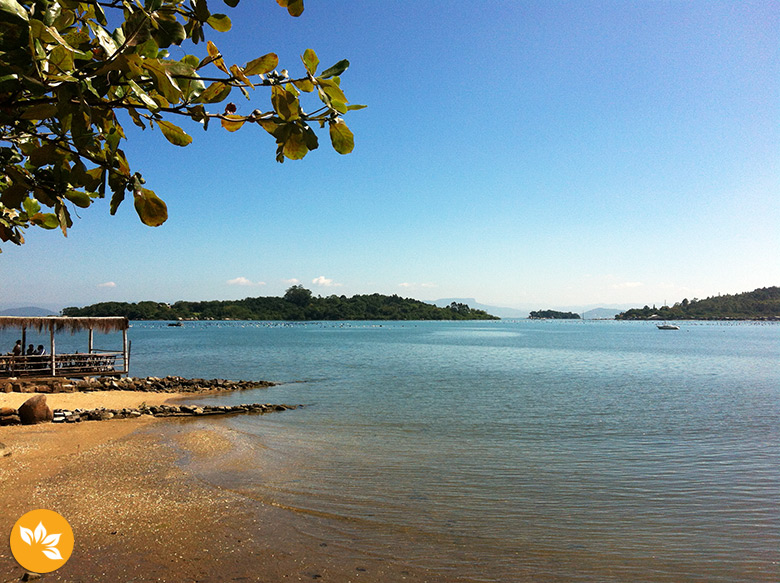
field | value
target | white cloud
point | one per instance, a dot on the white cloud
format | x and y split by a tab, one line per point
243	281
107	284
324	282
292	281
405	285
428	285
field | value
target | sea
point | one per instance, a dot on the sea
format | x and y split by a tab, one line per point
593	451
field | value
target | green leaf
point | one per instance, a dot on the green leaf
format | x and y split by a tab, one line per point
143	96
214	93
163	82
169	32
262	65
219	22
295	147
304	85
39	111
80	199
336	69
294	7
201	10
231	3
44	155
150	208
45	220
332	90
354	107
341	137
310	61
31	206
13	8
174	134
285	103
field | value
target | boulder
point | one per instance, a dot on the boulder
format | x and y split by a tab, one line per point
35	410
10	420
7	411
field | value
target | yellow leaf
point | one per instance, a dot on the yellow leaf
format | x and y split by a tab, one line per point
233	123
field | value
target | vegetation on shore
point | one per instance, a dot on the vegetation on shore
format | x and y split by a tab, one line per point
553	315
298	304
760	304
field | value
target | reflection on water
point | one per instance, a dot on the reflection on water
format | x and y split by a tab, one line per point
510	451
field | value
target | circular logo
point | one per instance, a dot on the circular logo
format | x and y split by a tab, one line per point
42	541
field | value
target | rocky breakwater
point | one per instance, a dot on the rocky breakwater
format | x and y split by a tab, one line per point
169	384
102	414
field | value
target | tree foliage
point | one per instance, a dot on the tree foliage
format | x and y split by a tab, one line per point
760	304
296	305
298	295
69	79
553	315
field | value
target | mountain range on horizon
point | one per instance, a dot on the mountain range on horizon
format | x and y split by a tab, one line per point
30	311
587	312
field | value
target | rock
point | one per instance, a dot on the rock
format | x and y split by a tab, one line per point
4	450
6	387
30	576
10	420
35	410
4	411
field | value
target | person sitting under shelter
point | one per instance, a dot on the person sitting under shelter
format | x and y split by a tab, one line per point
40	351
18	348
30	350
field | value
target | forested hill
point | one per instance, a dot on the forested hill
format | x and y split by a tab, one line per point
761	304
553	315
297	304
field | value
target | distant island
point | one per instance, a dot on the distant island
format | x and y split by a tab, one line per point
297	304
553	315
760	304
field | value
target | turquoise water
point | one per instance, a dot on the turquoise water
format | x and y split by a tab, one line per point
510	451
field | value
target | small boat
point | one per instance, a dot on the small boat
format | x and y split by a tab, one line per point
177	324
666	326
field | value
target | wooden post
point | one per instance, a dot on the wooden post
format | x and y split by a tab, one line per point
90	340
125	354
24	341
53	359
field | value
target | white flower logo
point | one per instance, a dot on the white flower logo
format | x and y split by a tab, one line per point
50	541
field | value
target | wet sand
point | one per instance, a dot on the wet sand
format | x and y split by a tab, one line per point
139	514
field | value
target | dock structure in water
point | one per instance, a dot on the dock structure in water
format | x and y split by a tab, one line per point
94	362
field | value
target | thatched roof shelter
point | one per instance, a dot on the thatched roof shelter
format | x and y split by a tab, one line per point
39	364
61	323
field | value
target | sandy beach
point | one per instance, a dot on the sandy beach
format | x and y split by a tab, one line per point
139	514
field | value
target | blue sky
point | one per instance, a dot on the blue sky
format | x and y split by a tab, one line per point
528	154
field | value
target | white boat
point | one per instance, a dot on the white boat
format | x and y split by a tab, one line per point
666	326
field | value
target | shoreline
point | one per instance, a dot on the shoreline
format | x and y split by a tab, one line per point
139	512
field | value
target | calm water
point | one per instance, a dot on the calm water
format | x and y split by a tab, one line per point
510	451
